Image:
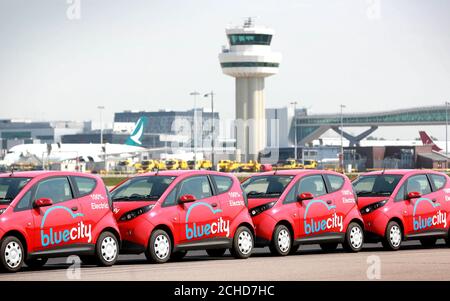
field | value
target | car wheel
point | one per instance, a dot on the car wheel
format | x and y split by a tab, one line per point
428	242
177	256
393	236
106	249
329	247
36	263
281	241
216	252
242	243
11	254
160	247
354	238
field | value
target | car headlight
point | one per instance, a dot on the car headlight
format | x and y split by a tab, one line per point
373	207
135	213
257	210
2	210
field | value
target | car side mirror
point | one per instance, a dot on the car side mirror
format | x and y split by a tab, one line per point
42	202
305	196
414	195
187	198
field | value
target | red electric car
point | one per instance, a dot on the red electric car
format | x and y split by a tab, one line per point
399	205
51	214
294	207
167	213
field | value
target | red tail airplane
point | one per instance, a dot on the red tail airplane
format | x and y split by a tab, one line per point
426	140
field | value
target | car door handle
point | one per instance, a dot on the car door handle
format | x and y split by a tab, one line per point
214	205
329	202
74	208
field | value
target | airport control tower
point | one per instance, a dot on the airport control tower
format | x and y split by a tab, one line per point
249	59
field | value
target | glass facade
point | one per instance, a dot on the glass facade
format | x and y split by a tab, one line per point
249	39
436	115
249	64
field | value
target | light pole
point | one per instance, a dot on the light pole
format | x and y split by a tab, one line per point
195	94
101	109
212	125
294	103
446	127
342	136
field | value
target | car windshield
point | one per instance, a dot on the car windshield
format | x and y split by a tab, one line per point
142	188
376	185
266	186
10	188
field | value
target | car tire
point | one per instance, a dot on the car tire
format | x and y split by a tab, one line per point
242	243
106	249
329	247
281	241
216	252
36	263
428	242
354	238
159	248
393	236
178	255
12	254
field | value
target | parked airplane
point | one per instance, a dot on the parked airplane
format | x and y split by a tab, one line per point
426	140
87	152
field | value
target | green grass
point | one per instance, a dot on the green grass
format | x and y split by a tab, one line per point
113	181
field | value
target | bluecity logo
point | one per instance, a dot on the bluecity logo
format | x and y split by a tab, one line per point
214	228
423	223
312	226
53	237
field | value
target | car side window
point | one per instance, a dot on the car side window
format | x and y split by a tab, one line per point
25	202
85	185
336	182
197	186
438	181
291	197
56	189
418	183
223	183
171	198
313	184
400	194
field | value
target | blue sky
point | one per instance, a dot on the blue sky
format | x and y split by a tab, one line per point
148	55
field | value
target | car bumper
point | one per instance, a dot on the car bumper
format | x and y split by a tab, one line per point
375	223
264	226
135	234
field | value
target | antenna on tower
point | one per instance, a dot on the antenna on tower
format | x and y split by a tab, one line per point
249	22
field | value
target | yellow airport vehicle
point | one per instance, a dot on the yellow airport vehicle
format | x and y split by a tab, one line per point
200	164
250	166
288	164
228	166
310	164
174	164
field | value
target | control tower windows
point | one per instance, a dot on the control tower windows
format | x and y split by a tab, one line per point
249	39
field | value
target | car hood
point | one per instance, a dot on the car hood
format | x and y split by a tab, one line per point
122	207
255	202
366	201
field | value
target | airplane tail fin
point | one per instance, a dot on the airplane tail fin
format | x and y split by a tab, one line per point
136	135
426	140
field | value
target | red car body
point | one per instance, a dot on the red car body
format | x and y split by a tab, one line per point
418	201
192	219
322	217
55	213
